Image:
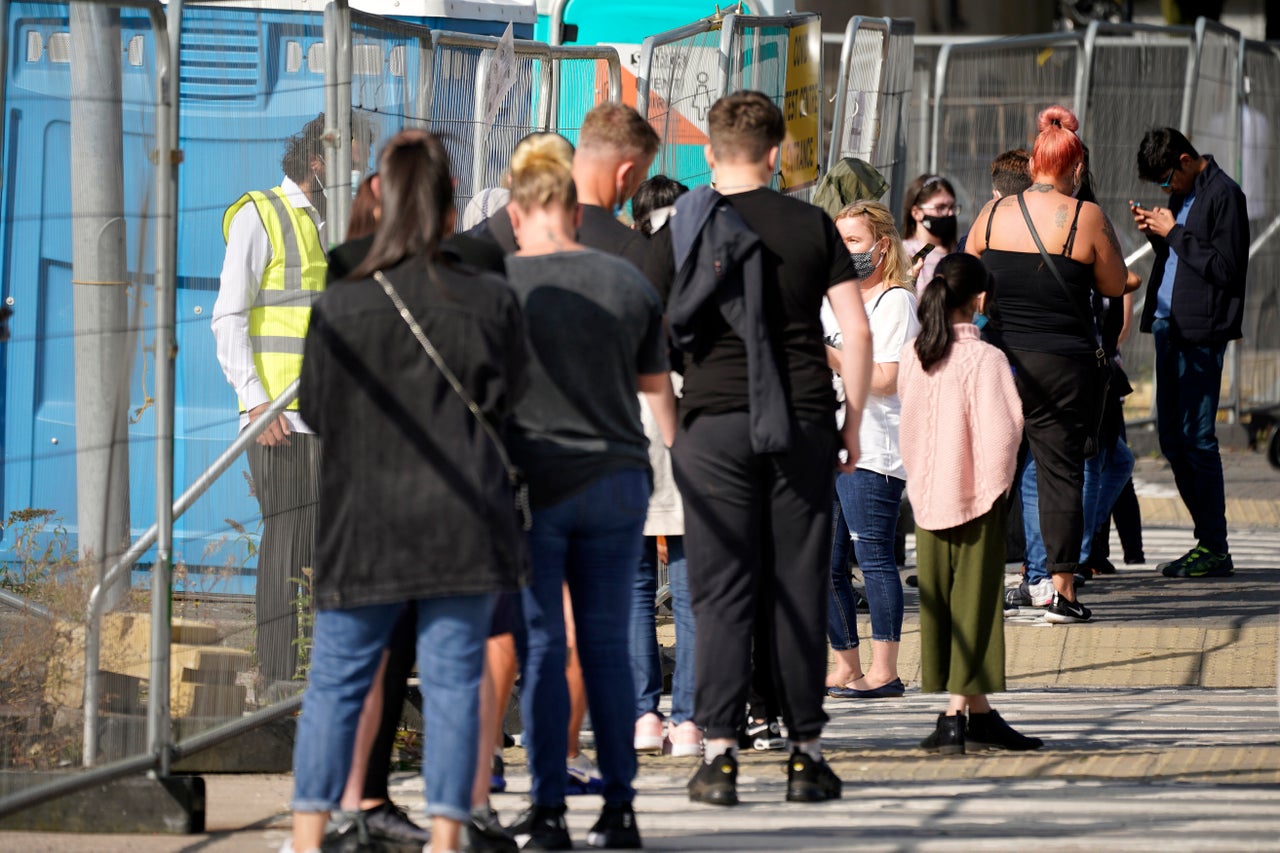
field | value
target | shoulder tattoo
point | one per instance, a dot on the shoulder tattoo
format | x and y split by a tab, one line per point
1060	216
1110	232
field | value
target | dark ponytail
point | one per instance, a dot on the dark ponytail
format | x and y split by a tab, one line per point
958	279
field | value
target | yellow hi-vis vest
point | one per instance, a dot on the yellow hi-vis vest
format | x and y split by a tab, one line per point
293	279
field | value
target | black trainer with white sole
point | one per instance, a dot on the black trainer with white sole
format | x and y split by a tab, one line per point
1063	612
616	829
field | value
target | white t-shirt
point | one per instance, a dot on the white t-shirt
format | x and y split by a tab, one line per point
892	316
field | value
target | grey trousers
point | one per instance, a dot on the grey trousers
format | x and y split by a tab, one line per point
286	479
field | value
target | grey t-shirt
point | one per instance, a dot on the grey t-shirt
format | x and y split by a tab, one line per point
592	322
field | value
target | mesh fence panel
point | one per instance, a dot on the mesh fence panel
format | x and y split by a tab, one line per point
683	75
991	95
480	153
585	77
1214	120
760	59
79	420
873	103
390	82
1137	81
1260	159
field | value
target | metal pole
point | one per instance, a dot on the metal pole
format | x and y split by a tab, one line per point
159	721
4	64
337	83
99	279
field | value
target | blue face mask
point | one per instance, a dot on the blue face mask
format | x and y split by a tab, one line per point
619	200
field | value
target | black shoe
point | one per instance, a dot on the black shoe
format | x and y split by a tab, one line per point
762	736
990	731
1101	566
1063	612
389	822
716	783
947	738
541	828
616	829
810	781
484	834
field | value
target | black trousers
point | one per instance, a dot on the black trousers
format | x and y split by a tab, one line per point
286	480
1057	399
757	532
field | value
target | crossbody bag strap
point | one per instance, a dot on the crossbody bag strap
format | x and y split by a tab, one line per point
513	473
1090	334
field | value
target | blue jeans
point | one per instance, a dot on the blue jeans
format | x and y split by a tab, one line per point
646	658
1188	384
1104	477
842	607
591	540
345	655
870	503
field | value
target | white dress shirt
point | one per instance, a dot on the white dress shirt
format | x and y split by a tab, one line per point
248	253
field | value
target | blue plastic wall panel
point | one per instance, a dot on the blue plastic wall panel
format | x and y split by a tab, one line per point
37	367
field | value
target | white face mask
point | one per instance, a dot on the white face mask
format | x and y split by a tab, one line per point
356	176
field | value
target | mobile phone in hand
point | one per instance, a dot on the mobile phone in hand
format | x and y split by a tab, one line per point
923	253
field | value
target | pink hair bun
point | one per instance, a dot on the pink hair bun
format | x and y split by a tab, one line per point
1058	116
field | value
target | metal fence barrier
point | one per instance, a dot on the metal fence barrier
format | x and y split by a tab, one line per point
872	99
1121	80
684	71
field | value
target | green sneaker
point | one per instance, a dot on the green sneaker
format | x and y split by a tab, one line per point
1204	564
1172	568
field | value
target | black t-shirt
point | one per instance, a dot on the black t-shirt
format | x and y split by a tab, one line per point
803	256
592	324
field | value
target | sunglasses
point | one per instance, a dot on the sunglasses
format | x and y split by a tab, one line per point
1168	179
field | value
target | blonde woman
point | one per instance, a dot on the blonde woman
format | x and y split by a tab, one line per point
871	495
594	326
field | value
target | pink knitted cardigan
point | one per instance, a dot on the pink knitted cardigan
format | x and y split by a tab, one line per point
960	430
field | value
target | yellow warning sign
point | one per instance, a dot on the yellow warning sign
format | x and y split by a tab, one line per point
801	106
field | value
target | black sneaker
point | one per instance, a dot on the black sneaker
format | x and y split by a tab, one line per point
810	781
483	833
616	829
541	828
1063	612
762	736
947	737
1202	563
716	782
389	822
990	731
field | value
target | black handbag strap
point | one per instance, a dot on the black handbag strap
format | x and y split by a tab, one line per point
1090	328
513	473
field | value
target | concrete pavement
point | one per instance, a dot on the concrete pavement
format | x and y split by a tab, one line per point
1160	718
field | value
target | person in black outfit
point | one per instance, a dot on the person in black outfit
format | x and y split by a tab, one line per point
756	447
1048	334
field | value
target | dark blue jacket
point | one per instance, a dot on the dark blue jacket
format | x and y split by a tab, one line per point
1213	261
718	259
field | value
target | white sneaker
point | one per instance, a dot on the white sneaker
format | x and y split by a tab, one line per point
1041	593
685	739
649	733
287	847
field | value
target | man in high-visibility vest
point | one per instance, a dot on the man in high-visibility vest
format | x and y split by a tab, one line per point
273	271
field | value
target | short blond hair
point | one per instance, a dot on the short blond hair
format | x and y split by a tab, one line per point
542	172
619	128
897	266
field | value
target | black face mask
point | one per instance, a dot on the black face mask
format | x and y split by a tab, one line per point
942	227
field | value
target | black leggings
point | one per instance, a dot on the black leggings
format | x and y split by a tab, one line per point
1057	398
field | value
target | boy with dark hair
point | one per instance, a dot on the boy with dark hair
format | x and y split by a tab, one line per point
1194	306
757	444
1010	173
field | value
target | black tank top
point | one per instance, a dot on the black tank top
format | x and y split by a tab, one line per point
1030	309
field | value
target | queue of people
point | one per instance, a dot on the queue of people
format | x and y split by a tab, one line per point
506	464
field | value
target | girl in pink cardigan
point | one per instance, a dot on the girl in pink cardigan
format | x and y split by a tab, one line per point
960	431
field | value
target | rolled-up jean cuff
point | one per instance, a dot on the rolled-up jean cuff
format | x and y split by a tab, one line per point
447	812
897	639
314	806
